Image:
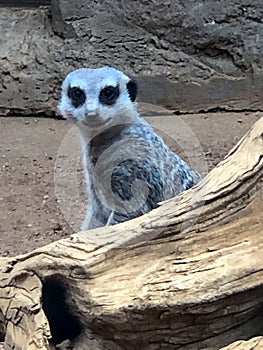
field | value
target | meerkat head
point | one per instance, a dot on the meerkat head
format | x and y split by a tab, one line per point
100	95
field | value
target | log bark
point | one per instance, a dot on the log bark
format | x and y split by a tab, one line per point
188	275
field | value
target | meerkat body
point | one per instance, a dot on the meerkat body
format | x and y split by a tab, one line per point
128	167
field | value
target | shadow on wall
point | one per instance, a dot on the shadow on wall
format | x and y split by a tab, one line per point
24	3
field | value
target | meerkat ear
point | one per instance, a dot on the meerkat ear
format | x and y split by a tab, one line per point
132	89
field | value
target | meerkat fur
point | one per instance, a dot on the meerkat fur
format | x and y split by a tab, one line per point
128	167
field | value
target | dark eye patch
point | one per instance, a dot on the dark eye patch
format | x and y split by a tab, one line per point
132	89
109	95
77	96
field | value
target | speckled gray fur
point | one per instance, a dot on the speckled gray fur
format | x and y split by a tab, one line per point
128	167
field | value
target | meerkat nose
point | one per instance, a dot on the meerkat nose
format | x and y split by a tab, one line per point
92	113
91	109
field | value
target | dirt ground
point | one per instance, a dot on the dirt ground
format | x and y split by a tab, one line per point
32	150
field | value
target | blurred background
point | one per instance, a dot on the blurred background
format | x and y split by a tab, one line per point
186	55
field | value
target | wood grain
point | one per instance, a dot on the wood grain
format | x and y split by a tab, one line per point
188	275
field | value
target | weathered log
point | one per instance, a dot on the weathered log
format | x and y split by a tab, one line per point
188	275
252	344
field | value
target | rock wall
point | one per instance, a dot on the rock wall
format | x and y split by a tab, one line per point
24	3
189	56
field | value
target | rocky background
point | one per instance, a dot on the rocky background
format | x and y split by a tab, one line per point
188	55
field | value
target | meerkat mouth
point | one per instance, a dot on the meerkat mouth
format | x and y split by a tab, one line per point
93	120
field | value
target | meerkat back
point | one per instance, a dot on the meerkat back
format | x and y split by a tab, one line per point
128	167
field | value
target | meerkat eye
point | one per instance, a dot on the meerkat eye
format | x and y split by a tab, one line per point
77	96
109	95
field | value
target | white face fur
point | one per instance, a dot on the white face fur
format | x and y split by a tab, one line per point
100	95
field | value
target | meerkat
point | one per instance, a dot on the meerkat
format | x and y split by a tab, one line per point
128	167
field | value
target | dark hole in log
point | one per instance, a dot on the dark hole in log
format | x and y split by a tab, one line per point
63	325
2	327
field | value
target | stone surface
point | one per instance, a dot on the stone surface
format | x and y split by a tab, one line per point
188	56
24	3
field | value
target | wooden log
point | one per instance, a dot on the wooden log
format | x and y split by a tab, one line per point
188	275
252	344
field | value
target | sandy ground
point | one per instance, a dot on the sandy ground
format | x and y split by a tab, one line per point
32	150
